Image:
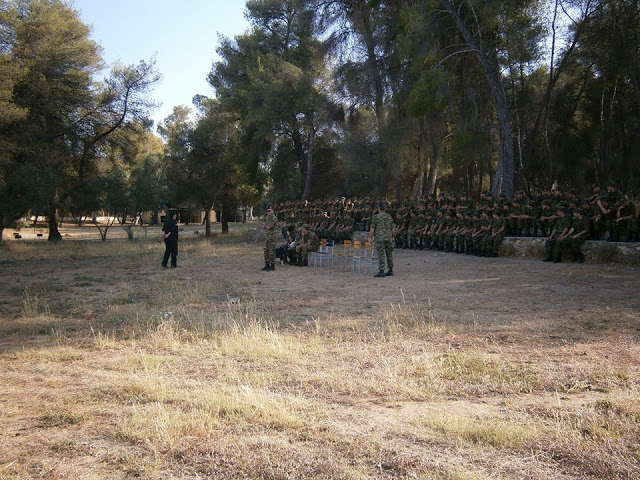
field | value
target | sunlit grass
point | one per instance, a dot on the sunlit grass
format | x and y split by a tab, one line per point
495	432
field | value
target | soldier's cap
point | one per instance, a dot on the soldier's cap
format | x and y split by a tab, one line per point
573	191
173	212
306	226
268	208
595	185
547	202
382	205
502	195
578	210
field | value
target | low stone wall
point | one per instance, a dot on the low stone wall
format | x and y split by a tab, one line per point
594	251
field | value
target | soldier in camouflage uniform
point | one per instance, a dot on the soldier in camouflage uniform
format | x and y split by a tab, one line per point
624	217
382	231
401	229
547	218
473	228
607	219
529	217
579	235
558	237
418	233
308	243
483	230
270	227
446	225
490	243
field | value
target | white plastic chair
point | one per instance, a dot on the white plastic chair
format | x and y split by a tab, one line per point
368	259
324	254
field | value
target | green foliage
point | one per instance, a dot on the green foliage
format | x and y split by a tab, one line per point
56	123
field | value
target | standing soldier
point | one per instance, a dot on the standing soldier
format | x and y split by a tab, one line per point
170	236
270	227
382	232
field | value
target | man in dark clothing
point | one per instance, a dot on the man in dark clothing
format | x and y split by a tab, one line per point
170	236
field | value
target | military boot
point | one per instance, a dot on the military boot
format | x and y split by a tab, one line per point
266	267
549	257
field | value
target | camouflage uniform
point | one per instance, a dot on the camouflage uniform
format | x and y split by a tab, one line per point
270	228
302	250
579	236
483	230
490	243
624	217
562	223
607	219
382	230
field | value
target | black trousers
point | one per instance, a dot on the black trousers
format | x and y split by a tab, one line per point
171	249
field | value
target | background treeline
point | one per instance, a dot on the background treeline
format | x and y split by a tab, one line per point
327	97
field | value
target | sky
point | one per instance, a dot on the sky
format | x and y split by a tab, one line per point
182	35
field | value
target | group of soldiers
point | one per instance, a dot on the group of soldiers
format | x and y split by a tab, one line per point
455	223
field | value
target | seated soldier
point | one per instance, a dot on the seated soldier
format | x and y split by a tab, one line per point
559	236
308	243
579	235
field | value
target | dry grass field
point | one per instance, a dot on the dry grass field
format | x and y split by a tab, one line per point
457	368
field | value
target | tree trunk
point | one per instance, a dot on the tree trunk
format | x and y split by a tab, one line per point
225	211
418	189
372	62
606	121
309	166
434	165
54	233
207	223
506	168
1	233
